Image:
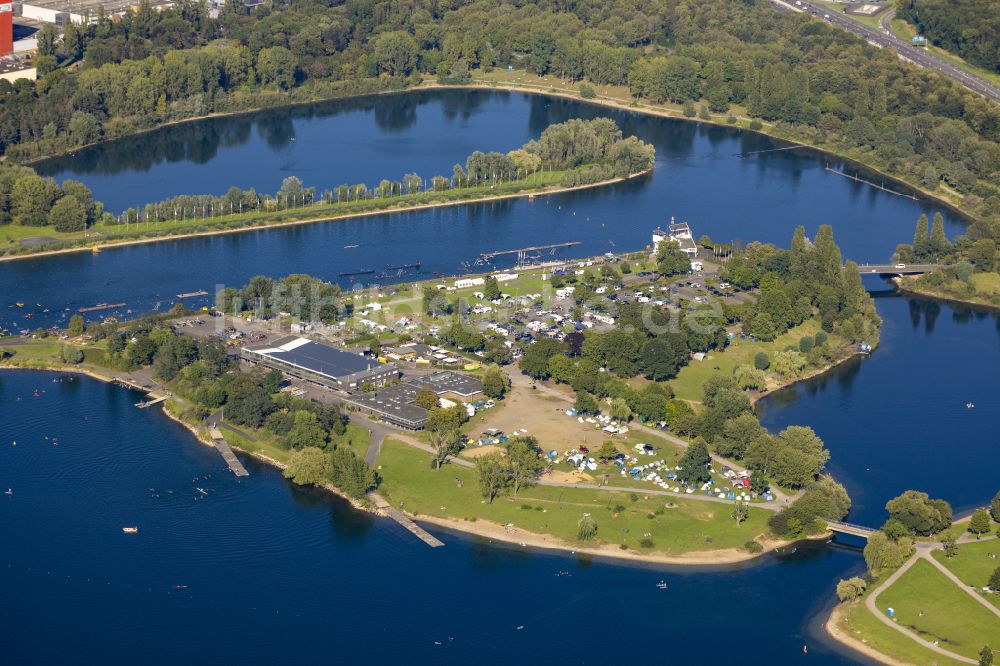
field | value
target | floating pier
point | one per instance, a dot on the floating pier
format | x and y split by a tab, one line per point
361	271
150	403
102	306
235	466
192	294
400	267
382	505
521	252
868	182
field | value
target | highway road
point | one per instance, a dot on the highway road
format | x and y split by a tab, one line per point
884	38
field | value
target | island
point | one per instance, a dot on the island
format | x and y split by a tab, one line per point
43	217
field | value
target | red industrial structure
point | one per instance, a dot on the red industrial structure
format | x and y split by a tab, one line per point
6	28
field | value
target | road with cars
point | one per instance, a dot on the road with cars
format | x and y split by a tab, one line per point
884	38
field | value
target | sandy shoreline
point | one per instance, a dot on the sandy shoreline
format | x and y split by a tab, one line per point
832	628
546	191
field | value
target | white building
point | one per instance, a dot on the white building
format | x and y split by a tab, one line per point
679	233
465	283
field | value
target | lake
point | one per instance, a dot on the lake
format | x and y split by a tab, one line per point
260	570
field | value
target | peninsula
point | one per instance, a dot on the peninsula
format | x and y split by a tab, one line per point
47	218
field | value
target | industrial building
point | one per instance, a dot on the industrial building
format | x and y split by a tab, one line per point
320	364
395	404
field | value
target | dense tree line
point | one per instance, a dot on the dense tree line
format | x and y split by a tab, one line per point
969	28
817	82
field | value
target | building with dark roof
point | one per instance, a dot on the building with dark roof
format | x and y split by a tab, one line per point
396	404
320	364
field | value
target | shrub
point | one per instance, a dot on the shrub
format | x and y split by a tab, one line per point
821	337
587	91
753	547
586	528
646	542
761	361
689	110
806	344
756	125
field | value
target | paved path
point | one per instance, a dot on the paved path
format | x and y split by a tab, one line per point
870	603
216	418
378	432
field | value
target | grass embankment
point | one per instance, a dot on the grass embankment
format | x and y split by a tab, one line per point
674	526
926	602
981	288
973	565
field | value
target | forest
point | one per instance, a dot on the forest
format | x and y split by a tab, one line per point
812	81
969	28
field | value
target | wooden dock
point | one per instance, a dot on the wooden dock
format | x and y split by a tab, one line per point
857	179
192	294
150	403
416	530
128	383
235	466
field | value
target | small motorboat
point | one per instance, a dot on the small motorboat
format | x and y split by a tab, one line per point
662	585
10	491
969	405
130	530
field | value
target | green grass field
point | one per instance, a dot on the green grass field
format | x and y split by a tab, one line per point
687	385
859	623
974	565
357	439
931	605
986	283
453	491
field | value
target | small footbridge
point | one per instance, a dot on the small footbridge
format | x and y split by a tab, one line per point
848	528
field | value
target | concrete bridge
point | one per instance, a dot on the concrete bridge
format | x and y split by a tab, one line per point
897	269
853	530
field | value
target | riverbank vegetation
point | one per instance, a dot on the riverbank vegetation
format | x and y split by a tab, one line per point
972	266
575	153
806	79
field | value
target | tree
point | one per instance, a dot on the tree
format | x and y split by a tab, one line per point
350	473
491	288
986	656
741	512
607	451
920	514
737	435
995	507
70	354
495	382
395	53
671	260
426	398
523	462
980	522
851	589
445	443
535	361
76	325
249	408
277	66
694	464
68	215
309	466
306	431
493	475
883	553
586	403
586	528
994	581
761	361
619	409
